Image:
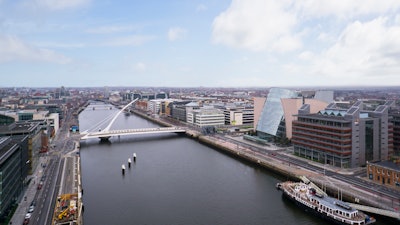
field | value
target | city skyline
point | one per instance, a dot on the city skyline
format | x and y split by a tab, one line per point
87	43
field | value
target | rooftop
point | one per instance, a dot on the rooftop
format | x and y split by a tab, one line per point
388	164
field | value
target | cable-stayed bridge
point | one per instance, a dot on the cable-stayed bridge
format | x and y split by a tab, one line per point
106	133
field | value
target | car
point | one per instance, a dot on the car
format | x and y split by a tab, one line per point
31	209
26	221
43	178
40	185
28	216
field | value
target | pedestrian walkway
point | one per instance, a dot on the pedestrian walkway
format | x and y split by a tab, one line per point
29	193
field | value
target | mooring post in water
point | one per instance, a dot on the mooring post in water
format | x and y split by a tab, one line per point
129	162
123	169
134	157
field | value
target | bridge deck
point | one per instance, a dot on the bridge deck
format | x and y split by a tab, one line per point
111	133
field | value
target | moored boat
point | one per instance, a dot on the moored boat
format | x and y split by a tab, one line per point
328	208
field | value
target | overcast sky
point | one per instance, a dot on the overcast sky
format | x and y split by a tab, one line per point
190	43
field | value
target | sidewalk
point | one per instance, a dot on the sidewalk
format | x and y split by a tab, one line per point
29	193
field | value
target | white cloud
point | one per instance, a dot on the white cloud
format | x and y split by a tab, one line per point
59	45
201	7
257	25
132	40
344	9
110	29
369	50
140	67
14	49
56	5
277	26
176	33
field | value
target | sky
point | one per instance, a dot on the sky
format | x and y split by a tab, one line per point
193	43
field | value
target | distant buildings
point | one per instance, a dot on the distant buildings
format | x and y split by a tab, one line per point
237	115
206	116
178	109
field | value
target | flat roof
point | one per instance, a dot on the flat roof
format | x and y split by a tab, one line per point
388	164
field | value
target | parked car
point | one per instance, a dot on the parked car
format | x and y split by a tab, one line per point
26	221
27	218
40	185
31	209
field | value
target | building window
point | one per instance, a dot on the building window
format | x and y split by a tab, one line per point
371	176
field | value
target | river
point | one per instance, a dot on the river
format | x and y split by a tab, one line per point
175	180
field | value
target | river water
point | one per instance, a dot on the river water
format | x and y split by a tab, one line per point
175	180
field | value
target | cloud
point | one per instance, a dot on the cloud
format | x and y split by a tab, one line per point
14	49
277	26
132	40
110	29
201	7
56	5
257	25
140	67
368	50
176	33
344	9
59	45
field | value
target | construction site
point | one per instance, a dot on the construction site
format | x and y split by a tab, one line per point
68	206
67	210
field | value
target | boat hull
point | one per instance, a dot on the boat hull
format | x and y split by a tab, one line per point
312	211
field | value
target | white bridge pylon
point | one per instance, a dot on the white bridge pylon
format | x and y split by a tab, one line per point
115	117
106	133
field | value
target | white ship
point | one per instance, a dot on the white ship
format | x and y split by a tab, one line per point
331	209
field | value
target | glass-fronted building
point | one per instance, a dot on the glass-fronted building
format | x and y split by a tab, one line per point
14	165
272	121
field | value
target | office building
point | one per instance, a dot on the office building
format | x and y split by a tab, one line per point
344	137
14	165
33	131
206	116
